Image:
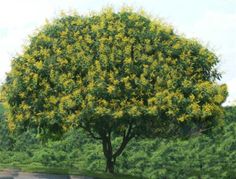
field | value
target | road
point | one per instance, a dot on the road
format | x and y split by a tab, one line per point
16	174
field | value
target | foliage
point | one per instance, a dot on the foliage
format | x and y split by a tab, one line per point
6	140
1	109
112	74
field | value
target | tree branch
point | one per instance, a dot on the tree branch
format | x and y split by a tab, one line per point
126	138
90	132
105	151
200	131
109	146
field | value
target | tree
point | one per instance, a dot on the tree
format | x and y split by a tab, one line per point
112	74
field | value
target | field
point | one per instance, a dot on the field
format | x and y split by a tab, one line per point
210	155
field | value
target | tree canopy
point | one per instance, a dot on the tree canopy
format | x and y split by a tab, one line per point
114	73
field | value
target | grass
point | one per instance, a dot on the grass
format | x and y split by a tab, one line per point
64	171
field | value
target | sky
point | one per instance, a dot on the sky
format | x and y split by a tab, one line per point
212	22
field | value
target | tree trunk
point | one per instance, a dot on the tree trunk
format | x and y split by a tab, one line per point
110	165
107	150
111	155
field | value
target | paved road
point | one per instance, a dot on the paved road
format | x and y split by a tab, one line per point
16	174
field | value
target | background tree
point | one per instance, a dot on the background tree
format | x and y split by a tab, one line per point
112	74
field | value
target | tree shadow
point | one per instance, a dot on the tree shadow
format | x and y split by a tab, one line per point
50	176
56	176
14	174
9	174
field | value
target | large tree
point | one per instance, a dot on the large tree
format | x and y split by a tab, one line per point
112	74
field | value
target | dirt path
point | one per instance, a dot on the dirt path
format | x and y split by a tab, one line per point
16	174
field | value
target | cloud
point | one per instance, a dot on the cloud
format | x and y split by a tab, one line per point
232	91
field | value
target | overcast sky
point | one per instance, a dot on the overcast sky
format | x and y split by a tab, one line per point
213	22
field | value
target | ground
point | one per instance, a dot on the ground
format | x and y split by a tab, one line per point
17	174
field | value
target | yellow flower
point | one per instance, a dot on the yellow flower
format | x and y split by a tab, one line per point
53	99
127	60
39	65
110	89
151	101
72	117
182	118
51	114
22	94
11	125
152	110
19	117
118	114
134	111
24	107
